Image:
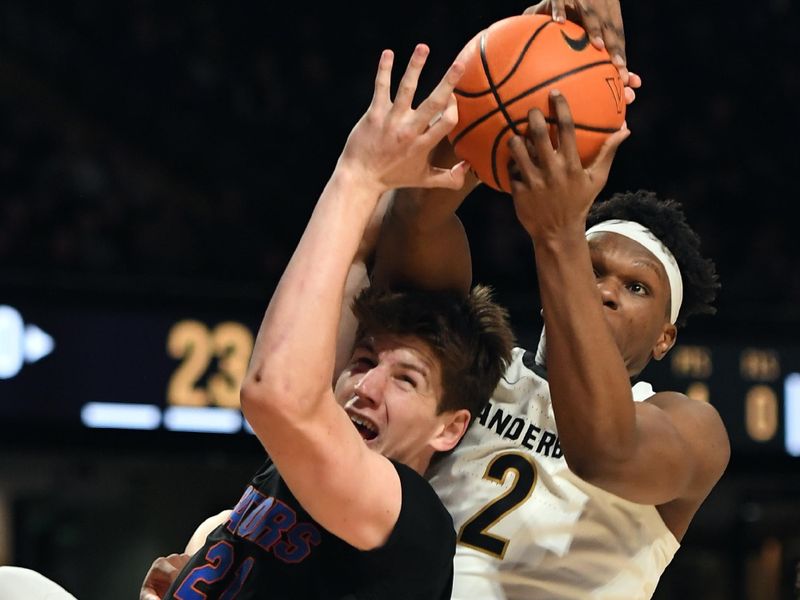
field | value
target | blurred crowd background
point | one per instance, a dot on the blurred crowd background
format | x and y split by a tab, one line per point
190	140
171	152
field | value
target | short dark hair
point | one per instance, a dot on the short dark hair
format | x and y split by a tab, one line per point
667	221
470	335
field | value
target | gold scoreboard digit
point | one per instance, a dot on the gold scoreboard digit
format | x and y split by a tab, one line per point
197	380
744	383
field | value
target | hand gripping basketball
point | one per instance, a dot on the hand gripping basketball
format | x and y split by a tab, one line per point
602	20
390	145
551	188
510	68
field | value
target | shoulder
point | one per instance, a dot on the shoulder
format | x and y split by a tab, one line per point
420	549
423	518
691	413
420	504
703	433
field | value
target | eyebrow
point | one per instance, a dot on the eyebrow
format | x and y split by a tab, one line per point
650	265
596	252
427	384
424	370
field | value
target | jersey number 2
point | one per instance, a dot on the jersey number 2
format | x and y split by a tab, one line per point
219	559
475	531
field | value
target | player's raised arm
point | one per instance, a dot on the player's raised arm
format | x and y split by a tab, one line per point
286	395
423	242
607	312
357	279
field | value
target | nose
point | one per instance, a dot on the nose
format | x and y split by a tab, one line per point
609	292
371	385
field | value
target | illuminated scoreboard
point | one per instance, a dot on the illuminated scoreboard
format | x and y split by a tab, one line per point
756	390
77	370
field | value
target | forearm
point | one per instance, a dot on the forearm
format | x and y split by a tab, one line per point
301	321
588	379
357	280
423	242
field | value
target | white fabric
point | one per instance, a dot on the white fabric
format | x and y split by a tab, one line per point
568	539
17	583
641	234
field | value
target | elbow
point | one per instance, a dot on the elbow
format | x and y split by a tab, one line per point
249	398
581	465
258	394
279	394
594	470
586	469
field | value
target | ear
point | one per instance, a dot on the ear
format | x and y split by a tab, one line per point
453	426
665	341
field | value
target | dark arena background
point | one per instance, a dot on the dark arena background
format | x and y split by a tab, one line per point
157	164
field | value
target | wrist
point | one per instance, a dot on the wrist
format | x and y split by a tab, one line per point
427	209
357	177
561	241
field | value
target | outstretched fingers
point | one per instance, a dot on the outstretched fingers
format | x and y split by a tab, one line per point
391	145
539	136
381	96
408	84
567	144
524	172
438	109
442	123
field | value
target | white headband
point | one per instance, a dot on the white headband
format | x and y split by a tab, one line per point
642	235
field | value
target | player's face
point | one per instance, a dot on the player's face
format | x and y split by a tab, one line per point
390	389
635	293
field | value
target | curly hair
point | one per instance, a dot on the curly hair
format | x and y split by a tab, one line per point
667	221
470	335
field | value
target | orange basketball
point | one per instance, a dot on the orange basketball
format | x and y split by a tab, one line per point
511	68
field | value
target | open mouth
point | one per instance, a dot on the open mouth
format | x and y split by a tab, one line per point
367	430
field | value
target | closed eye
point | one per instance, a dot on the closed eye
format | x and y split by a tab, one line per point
408	380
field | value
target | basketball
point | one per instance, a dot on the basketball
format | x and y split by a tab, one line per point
510	68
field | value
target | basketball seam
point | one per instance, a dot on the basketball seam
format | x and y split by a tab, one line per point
497	99
527	92
513	70
582	127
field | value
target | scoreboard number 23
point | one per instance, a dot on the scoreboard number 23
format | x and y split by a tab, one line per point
197	346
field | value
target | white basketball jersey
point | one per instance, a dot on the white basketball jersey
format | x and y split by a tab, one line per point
529	528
